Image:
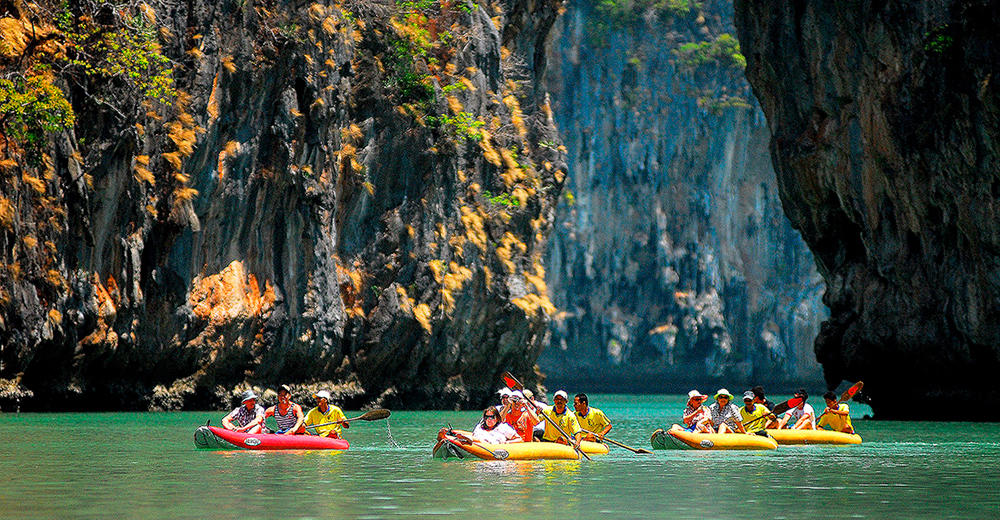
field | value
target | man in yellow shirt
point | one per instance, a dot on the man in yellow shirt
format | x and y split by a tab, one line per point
591	419
326	413
751	414
566	420
836	416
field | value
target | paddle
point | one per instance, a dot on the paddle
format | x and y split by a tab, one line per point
778	410
499	454
620	445
513	383
849	393
372	415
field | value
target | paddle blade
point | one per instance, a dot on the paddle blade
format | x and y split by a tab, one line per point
849	393
375	415
787	405
512	382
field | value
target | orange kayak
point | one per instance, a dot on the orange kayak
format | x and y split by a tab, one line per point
677	438
459	444
785	437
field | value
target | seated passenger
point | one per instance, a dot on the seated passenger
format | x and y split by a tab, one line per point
802	416
520	415
758	398
287	414
725	414
591	419
249	416
325	413
529	397
836	416
696	416
491	430
754	416
559	414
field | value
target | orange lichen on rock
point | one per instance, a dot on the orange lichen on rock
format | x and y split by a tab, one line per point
351	283
229	295
475	230
213	101
532	304
106	313
489	153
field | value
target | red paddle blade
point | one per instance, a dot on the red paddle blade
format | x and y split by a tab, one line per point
787	405
849	393
511	381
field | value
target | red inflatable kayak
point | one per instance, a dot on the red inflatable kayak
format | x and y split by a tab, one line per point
213	438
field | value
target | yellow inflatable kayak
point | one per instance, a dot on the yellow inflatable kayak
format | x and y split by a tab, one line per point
787	437
677	438
457	443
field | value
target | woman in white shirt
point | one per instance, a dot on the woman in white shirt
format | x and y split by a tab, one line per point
491	430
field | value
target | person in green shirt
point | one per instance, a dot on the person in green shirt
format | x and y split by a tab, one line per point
751	414
325	413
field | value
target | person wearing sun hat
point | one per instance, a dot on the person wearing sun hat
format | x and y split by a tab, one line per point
249	416
505	395
325	413
696	416
725	414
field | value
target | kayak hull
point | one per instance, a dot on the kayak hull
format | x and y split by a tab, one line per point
457	445
214	438
677	438
793	437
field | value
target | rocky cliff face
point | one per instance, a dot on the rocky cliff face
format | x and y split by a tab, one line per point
672	260
351	195
883	119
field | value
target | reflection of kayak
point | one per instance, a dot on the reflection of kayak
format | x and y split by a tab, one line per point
677	438
213	438
457	444
813	437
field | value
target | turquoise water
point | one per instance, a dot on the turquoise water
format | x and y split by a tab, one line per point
144	465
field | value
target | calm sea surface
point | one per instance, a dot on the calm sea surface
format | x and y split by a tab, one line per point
144	465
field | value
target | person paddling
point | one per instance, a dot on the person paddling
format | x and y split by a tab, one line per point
758	398
751	413
559	414
591	419
325	413
249	416
803	415
287	414
836	416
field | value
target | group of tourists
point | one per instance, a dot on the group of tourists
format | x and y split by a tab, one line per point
756	415
324	419
520	418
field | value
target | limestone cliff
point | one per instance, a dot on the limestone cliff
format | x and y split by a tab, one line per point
883	118
672	260
218	195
